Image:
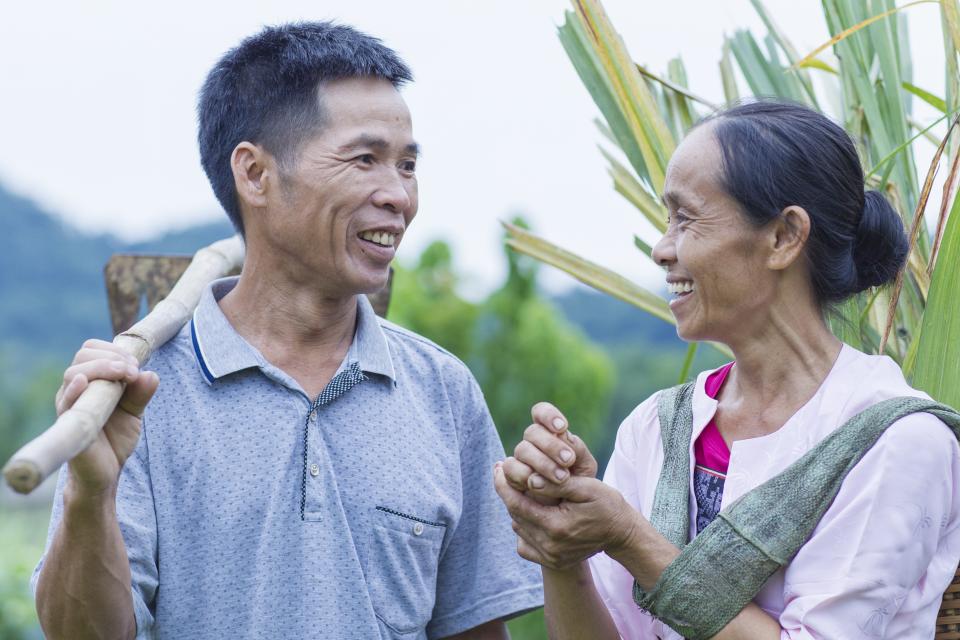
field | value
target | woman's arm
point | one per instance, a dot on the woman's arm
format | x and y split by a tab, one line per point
572	606
593	517
645	554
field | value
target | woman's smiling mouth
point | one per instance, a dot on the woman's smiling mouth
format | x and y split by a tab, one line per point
680	287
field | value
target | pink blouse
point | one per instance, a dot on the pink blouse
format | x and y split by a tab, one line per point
877	564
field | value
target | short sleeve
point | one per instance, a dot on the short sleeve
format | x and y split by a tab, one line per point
880	558
481	577
138	526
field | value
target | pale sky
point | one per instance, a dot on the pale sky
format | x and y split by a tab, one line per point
97	119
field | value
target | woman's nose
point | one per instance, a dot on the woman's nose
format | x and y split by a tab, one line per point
665	251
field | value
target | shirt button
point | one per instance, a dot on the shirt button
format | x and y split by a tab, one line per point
314	469
417	529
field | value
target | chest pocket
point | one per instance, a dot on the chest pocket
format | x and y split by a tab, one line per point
401	569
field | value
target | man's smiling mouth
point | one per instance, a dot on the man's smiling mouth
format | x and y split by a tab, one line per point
382	238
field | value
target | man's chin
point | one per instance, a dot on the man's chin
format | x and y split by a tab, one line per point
373	282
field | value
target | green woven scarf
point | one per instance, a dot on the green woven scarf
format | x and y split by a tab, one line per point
722	569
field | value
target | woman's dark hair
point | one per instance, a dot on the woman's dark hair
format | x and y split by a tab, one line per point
778	154
266	91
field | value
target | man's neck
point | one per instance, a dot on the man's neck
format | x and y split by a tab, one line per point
298	329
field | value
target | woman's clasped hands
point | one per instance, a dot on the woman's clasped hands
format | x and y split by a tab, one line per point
562	514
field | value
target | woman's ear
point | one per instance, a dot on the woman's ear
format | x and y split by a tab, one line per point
251	166
788	236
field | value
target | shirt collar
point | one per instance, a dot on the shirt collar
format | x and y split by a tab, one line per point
220	350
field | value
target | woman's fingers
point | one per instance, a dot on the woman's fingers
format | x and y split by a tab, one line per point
528	552
520	506
586	464
516	473
557	451
530	455
549	416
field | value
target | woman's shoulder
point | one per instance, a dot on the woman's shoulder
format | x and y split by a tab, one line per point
869	379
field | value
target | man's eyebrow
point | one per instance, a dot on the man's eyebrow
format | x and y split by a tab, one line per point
365	141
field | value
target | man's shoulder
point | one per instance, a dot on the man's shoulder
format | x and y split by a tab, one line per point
410	345
176	356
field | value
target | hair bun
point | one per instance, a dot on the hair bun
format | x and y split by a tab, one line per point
880	249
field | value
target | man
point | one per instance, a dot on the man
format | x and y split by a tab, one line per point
306	470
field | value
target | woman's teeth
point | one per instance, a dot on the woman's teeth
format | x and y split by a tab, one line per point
382	238
676	288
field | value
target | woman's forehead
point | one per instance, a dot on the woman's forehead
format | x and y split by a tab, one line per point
695	167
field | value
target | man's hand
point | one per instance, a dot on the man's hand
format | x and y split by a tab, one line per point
96	470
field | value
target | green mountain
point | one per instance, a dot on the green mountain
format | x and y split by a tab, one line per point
52	294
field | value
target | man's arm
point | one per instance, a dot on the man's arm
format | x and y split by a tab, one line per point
480	580
84	586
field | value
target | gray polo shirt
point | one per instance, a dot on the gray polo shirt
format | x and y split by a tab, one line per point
250	510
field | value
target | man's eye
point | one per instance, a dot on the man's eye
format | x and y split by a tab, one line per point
366	158
410	166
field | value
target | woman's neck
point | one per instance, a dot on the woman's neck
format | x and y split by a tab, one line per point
779	368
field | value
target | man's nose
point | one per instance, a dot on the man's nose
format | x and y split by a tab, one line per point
393	194
665	251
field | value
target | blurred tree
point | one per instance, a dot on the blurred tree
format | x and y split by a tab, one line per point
26	405
518	346
425	300
527	352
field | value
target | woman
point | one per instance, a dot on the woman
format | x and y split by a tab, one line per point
769	226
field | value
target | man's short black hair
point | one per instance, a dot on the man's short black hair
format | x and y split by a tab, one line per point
266	91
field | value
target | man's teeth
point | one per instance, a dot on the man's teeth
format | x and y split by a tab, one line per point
677	288
379	237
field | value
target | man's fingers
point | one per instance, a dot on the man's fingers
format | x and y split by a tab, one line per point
138	393
116	370
87	354
106	345
541	440
549	416
68	394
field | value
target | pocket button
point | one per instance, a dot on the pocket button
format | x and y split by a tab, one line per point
418	529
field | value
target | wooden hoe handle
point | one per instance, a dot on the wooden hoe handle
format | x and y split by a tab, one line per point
77	427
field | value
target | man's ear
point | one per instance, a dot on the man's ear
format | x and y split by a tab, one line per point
788	236
252	172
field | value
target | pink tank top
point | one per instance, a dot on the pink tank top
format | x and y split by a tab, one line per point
710	450
711	459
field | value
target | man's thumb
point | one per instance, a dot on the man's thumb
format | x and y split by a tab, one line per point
138	393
